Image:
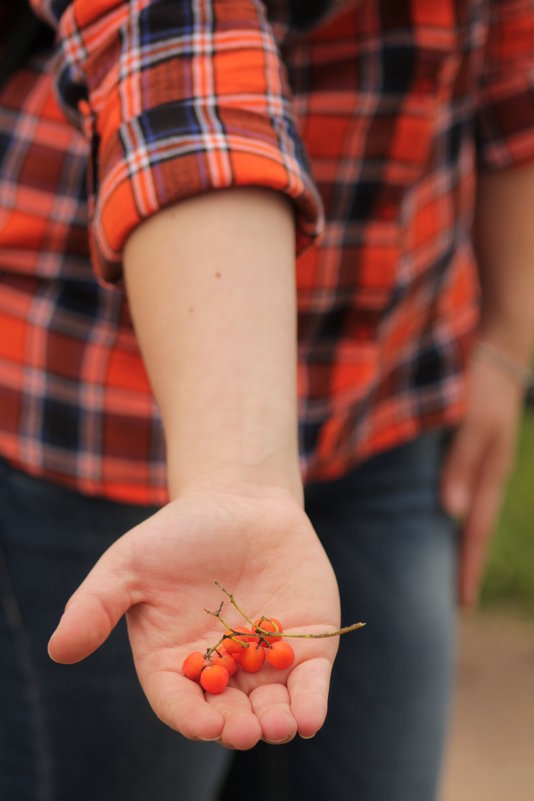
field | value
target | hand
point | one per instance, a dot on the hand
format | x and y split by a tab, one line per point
477	466
262	547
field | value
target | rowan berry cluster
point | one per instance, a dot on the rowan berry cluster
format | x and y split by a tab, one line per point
243	647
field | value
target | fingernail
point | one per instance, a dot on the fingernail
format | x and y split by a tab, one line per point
280	742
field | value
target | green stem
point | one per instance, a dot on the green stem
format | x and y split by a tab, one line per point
234	602
322	634
261	633
218	616
213	648
234	636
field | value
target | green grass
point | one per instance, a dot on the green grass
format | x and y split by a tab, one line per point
509	579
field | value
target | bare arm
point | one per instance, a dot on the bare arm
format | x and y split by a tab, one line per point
211	286
212	290
482	452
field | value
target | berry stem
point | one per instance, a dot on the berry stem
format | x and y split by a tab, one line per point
217	615
321	635
211	678
213	648
234	602
234	636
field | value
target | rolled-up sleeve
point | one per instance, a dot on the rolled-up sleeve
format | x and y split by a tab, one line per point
505	113
177	97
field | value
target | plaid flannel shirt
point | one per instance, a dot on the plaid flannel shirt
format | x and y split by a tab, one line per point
392	108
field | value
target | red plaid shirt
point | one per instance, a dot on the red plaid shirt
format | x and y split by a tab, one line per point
147	102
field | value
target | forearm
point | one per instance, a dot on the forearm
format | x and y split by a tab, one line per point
481	452
211	286
504	235
212	292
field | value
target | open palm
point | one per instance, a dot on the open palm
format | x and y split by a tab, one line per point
162	574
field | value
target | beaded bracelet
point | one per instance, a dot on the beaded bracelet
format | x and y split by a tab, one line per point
517	372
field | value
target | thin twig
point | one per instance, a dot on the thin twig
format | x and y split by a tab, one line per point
338	632
322	634
234	602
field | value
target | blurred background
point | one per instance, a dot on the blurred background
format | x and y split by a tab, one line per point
491	748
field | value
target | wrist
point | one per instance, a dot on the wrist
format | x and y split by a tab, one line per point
516	371
510	330
244	480
251	442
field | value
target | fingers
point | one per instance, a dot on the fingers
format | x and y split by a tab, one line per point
181	705
460	470
241	729
308	685
472	485
271	712
479	525
271	705
94	609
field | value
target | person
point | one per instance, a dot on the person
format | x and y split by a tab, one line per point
185	156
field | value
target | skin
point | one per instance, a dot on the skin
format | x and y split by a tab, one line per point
211	289
483	449
158	575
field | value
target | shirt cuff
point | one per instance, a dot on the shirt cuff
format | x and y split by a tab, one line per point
164	155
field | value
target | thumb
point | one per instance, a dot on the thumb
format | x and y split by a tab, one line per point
460	470
95	608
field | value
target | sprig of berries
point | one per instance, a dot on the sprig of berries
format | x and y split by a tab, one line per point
245	648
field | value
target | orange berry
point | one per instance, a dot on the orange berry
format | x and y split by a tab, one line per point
214	679
280	655
236	655
225	659
252	658
269	624
232	646
193	664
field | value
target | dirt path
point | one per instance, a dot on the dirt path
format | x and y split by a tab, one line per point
491	750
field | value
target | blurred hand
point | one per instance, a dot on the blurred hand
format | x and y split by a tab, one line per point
261	546
477	466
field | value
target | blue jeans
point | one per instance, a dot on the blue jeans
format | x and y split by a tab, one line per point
86	732
394	553
83	732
